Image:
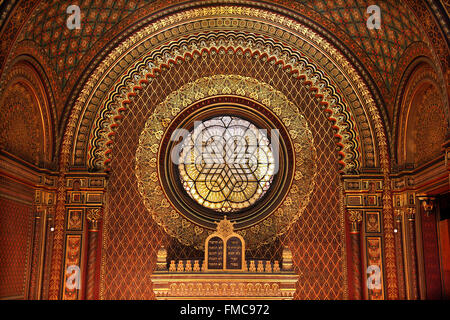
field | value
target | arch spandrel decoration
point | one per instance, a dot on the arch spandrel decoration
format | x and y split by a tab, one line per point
294	199
341	113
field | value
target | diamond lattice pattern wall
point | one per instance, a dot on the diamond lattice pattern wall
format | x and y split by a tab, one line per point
133	238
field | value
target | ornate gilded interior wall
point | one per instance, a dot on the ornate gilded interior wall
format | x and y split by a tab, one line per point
73	104
26	143
107	108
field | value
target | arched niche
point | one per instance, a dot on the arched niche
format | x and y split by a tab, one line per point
422	118
26	117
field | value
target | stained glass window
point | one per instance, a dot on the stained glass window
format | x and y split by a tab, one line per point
226	163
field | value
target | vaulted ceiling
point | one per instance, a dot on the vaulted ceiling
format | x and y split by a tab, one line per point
35	28
65	49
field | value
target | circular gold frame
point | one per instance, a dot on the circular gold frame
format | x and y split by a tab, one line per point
286	206
225	105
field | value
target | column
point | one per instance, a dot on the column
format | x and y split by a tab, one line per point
355	218
50	228
432	262
398	234
36	262
410	216
94	218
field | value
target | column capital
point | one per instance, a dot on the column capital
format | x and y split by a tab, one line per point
411	213
355	218
398	213
427	203
94	216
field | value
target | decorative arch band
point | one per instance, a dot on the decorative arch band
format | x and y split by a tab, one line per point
298	36
292	62
92	92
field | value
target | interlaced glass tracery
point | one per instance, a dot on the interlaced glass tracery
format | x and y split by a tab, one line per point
226	163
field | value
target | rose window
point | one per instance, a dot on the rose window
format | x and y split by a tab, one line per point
226	163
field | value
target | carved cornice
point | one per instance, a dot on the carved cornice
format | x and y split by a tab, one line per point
431	176
238	286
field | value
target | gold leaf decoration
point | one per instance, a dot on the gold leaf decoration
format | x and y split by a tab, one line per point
267	229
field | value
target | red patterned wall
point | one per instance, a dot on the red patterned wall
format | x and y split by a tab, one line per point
132	238
16	225
431	257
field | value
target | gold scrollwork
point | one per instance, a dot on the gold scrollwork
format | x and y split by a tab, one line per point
177	225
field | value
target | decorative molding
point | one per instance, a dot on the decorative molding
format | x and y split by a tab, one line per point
251	288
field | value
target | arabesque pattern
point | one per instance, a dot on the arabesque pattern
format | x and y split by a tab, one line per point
16	223
384	47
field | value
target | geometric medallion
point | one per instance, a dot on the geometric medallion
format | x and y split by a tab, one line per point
226	145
